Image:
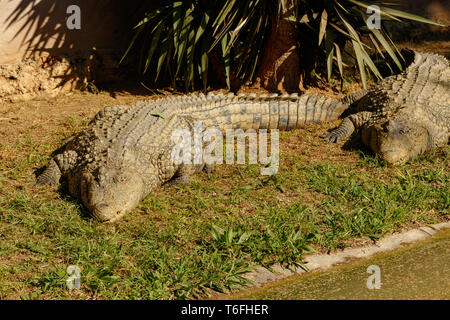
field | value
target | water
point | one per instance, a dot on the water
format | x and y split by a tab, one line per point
418	271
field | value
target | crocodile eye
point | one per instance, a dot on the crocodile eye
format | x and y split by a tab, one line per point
403	131
384	127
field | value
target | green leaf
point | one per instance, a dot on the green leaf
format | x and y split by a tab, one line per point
244	237
330	63
226	59
133	40
409	16
164	52
368	61
306	18
153	45
204	69
159	115
234	34
177	20
202	26
296	236
323	25
329	48
152	15
226	9
189	74
376	45
216	232
153	92
309	248
387	47
223	30
339	60
183	40
360	60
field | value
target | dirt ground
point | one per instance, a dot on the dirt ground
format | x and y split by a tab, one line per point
45	114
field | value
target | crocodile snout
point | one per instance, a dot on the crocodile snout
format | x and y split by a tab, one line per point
400	141
109	198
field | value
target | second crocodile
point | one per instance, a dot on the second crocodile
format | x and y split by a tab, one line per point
406	114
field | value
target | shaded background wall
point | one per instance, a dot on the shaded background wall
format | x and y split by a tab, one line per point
29	27
39	54
438	10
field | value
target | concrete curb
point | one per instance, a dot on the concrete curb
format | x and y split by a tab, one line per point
261	276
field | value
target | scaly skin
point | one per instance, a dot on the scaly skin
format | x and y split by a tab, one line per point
125	153
404	115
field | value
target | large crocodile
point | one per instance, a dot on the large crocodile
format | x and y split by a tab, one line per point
125	152
404	115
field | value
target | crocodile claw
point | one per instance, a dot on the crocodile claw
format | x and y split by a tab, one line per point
333	136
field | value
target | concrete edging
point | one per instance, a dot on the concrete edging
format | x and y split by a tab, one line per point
261	276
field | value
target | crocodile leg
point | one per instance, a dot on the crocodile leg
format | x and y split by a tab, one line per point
343	131
51	175
347	127
179	181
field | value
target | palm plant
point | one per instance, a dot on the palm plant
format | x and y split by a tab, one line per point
177	39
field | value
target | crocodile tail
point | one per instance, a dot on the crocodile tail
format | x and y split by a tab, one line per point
284	112
354	96
317	109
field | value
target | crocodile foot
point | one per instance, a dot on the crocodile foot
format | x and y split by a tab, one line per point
342	132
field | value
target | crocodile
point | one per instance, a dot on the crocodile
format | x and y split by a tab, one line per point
125	152
405	114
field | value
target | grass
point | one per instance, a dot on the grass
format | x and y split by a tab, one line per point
183	241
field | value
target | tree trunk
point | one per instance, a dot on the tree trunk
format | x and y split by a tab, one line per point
280	65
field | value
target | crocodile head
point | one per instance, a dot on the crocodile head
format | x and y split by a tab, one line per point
396	141
110	193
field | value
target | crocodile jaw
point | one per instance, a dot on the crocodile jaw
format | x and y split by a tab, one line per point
397	141
109	200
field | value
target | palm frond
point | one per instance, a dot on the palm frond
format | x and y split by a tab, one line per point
176	39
